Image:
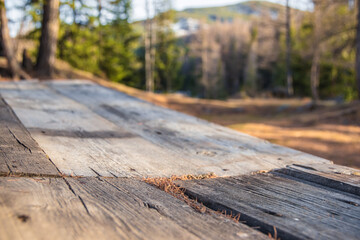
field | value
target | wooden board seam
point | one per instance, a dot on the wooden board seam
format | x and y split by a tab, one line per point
210	193
317	179
246	219
21	155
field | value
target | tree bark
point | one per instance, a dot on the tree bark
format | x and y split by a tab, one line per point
204	64
289	79
148	60
13	65
100	31
153	45
49	36
27	64
315	68
357	64
73	7
315	76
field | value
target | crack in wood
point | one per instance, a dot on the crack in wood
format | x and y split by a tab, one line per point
98	174
82	134
348	202
152	206
316	178
18	140
305	167
143	203
10	171
113	174
13	174
244	218
78	196
53	163
83	203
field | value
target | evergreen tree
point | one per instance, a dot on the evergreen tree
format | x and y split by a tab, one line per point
119	41
168	56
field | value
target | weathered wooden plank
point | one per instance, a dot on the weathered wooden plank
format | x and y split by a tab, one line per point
132	137
112	157
40	108
332	176
95	208
19	153
61	126
298	210
210	148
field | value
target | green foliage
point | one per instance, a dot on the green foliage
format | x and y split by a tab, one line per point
79	46
118	60
337	81
337	74
112	47
103	49
168	55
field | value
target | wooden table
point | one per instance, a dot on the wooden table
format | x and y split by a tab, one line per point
74	155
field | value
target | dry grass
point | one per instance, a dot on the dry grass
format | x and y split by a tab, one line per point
338	143
275	237
169	186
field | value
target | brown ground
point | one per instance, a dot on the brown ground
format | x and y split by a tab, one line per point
330	130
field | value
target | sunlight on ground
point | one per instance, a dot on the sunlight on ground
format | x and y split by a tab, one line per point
277	133
334	142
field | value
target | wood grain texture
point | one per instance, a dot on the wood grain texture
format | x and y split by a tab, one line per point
333	176
298	210
83	143
118	135
99	208
205	146
19	153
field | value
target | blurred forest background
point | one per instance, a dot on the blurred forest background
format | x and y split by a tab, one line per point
251	50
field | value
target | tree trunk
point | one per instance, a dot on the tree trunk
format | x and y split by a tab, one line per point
49	35
73	7
153	45
204	64
314	78
100	42
27	64
148	61
289	79
251	66
153	53
357	65
169	83
13	65
315	68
